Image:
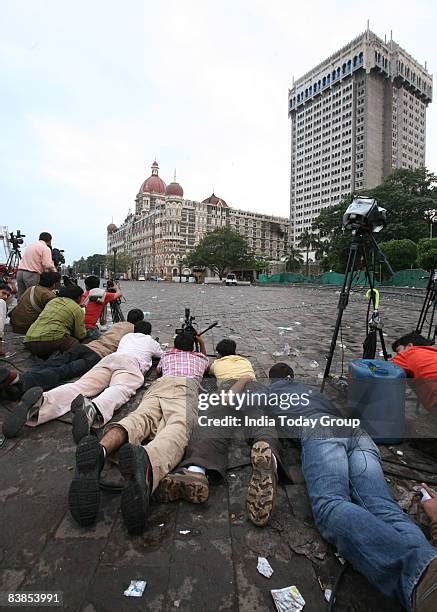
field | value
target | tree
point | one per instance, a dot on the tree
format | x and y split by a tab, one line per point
407	195
293	259
80	266
427	253
309	242
96	264
222	250
401	254
123	262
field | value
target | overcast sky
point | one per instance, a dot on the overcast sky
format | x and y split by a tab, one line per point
92	91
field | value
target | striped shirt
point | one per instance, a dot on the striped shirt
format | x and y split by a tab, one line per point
187	364
60	317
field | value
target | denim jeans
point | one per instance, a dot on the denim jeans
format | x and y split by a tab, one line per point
354	510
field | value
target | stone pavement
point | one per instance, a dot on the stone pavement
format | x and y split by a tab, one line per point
212	567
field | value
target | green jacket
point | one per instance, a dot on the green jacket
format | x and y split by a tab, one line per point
60	317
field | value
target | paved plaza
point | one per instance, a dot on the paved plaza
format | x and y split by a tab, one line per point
199	557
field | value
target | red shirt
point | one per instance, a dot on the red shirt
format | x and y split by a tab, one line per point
93	309
420	362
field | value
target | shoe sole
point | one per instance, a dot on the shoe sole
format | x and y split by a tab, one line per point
174	488
81	426
262	485
84	493
134	498
16	419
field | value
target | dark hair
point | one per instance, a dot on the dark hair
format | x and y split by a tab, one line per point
226	347
184	341
281	370
135	315
48	279
413	338
142	327
5	286
72	291
92	282
45	236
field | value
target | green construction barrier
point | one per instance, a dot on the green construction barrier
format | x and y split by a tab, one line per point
402	278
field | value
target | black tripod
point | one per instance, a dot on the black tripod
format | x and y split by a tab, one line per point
428	306
357	250
13	260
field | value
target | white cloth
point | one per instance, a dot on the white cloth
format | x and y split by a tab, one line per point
3	314
141	347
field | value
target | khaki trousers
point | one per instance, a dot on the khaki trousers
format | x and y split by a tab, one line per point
163	422
111	382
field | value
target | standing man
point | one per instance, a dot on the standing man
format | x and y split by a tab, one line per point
37	258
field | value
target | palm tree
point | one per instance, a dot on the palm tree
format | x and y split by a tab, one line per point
293	260
310	242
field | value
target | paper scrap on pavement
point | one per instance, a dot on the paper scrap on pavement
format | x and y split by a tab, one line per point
264	567
184	531
136	588
288	599
328	595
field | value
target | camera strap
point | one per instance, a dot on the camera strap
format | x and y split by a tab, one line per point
32	300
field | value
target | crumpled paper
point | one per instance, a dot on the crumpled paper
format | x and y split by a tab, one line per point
264	567
288	599
136	588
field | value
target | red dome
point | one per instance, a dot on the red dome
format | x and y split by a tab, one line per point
214	200
174	189
154	184
111	228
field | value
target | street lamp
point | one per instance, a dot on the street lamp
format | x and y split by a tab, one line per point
431	216
115	259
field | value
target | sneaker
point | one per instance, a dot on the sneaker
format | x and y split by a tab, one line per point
28	406
84	414
8	376
425	593
136	469
262	486
84	493
190	486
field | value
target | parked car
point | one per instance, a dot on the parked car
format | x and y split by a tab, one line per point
231	279
141	277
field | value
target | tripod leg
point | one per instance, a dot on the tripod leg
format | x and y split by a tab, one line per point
342	302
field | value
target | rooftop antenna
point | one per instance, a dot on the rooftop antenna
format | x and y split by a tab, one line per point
174	178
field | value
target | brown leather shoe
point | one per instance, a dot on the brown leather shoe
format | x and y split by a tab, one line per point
425	593
189	486
262	486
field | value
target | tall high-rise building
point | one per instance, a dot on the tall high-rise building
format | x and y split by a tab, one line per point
355	118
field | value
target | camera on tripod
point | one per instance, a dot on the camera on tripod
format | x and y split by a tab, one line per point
364	215
58	258
187	324
16	240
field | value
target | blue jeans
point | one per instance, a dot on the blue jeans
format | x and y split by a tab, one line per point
354	510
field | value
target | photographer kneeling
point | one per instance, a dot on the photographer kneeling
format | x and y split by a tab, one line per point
94	300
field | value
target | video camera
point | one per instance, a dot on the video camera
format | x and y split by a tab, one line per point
58	257
187	324
16	240
364	215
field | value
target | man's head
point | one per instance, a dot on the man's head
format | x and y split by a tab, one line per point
281	370
5	291
46	237
143	327
226	347
92	282
184	341
50	279
74	292
135	315
406	342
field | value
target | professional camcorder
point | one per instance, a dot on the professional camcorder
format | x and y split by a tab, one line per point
58	257
16	240
187	324
364	215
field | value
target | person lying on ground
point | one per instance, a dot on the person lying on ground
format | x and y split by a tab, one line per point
416	355
151	440
111	382
350	499
205	459
33	301
94	300
230	367
72	363
60	325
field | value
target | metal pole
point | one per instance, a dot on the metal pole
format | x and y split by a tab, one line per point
115	255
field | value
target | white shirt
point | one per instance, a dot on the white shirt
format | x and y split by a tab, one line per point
141	347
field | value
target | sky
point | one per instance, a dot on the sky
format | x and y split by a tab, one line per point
92	92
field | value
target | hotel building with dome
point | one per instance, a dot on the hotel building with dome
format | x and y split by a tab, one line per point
166	227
